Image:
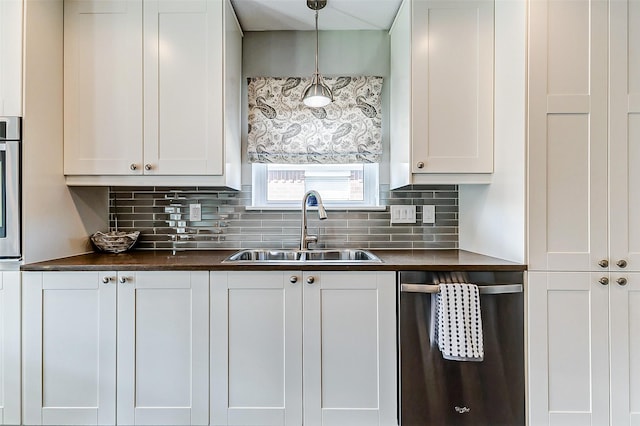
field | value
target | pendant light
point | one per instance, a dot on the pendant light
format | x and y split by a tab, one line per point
317	94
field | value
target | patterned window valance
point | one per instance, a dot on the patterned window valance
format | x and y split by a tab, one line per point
283	130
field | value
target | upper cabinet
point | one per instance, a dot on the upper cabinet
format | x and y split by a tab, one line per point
11	58
441	120
152	93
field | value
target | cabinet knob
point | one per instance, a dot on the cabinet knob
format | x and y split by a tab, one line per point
133	166
622	281
148	167
420	164
106	280
621	263
604	263
310	280
604	281
293	279
123	280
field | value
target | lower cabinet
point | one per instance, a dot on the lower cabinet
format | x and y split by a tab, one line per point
10	347
312	348
584	348
106	348
222	348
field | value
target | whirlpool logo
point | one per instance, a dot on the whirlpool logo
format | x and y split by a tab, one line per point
462	410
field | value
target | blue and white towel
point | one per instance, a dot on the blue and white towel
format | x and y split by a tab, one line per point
459	323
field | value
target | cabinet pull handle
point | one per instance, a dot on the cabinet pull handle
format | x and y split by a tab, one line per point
133	166
603	263
604	281
420	164
310	280
621	263
148	167
106	280
123	280
293	279
622	281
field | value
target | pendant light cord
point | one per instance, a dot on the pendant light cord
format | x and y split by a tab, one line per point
317	47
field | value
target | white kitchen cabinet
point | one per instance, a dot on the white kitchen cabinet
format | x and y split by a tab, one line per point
568	349
584	227
152	92
584	126
11	58
584	332
256	348
624	338
103	87
106	347
568	139
10	348
69	348
442	60
313	348
624	134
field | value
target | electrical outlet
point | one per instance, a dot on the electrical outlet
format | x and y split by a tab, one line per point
403	214
195	212
429	214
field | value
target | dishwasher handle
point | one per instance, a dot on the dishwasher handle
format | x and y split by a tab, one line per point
483	289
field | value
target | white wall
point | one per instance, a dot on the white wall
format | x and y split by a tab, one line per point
292	54
492	217
56	220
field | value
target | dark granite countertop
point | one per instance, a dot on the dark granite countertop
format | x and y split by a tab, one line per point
159	260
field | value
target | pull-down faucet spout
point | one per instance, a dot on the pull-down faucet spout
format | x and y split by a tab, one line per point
306	239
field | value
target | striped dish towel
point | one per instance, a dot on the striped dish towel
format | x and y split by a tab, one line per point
459	324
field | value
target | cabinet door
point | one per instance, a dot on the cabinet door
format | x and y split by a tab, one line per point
183	76
624	133
400	97
10	348
69	343
568	349
256	348
452	85
103	87
625	349
233	83
349	348
567	134
163	348
11	58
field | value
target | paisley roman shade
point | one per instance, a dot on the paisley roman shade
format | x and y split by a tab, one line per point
283	130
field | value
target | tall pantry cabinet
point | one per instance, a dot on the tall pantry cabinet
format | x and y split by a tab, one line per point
584	212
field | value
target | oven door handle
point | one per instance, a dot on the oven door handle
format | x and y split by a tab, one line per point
483	289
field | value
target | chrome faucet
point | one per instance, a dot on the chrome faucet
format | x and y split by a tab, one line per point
306	239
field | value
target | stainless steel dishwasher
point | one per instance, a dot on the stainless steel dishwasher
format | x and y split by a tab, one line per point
435	391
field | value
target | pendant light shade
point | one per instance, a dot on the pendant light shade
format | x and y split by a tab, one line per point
317	94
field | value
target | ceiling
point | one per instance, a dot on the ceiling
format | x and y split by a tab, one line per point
277	15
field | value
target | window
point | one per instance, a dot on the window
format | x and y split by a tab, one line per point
334	149
340	185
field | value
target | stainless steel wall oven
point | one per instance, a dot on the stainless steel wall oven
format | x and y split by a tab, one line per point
10	187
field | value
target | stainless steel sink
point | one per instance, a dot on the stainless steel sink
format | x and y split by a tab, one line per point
298	256
345	255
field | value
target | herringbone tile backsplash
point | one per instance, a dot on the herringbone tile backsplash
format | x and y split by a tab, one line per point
162	216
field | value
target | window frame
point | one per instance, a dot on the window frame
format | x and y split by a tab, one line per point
259	190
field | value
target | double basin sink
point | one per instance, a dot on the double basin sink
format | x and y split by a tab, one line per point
302	256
